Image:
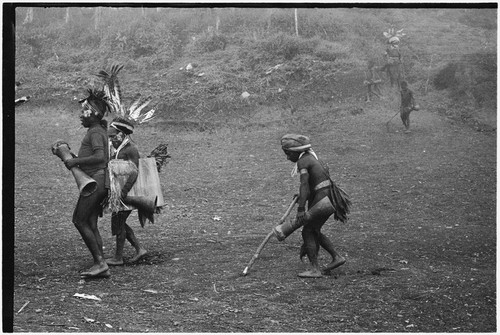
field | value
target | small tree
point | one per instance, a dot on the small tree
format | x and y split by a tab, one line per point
29	16
296	24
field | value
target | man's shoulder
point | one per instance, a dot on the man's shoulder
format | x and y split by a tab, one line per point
131	148
97	130
307	160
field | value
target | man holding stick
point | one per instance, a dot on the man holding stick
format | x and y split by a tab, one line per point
92	159
323	198
407	105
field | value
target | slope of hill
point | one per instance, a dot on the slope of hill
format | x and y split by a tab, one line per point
449	60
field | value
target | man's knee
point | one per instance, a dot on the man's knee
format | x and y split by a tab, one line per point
308	231
121	234
84	224
78	224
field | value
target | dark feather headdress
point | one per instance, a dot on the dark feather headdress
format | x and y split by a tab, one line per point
96	101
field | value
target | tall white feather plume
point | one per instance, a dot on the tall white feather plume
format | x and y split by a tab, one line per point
113	92
147	116
135	104
391	32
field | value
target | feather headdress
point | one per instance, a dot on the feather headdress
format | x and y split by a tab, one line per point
393	35
134	113
96	102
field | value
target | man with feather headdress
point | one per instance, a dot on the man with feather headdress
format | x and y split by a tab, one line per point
125	166
393	56
323	198
119	132
92	159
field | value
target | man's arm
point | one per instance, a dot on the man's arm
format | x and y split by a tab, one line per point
304	191
97	156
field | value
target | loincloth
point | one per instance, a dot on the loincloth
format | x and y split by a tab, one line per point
91	204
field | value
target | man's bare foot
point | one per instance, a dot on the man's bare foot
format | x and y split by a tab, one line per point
95	270
114	262
338	261
141	253
314	273
105	274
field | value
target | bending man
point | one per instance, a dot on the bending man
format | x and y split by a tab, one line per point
320	193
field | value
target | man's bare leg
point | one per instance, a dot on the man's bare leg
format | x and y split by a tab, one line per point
311	248
91	240
118	257
139	250
337	260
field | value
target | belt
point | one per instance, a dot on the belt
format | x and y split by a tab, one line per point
322	185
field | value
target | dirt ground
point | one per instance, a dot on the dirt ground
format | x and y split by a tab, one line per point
420	243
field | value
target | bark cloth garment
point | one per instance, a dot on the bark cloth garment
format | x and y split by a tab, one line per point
95	139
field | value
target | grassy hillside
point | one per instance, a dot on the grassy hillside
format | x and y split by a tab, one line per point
449	52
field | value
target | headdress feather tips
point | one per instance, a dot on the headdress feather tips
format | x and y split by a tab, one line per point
393	35
136	112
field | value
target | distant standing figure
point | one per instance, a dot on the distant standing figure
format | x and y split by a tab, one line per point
407	105
393	65
372	81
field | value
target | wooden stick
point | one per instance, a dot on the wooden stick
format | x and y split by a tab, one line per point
26	304
268	237
392	117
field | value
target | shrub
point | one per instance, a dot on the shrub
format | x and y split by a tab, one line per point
207	42
480	18
446	77
330	51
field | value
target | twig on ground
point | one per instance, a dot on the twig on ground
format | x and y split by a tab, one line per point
26	304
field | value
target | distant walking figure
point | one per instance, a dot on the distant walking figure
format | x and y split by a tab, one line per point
372	81
407	105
